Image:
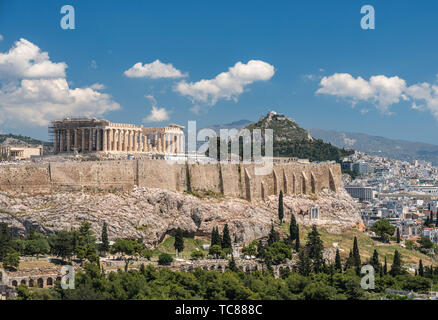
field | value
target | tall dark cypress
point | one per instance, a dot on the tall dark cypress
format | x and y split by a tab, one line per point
420	268
297	239
273	237
338	265
356	255
226	239
385	268
398	235
292	228
315	248
280	207
105	242
396	268
215	237
375	261
179	240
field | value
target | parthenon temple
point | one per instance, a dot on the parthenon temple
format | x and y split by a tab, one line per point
93	135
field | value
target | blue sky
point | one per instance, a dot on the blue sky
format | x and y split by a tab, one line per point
304	41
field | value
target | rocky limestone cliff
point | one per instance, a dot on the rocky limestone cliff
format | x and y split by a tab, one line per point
152	214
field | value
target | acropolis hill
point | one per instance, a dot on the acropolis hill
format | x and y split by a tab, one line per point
145	196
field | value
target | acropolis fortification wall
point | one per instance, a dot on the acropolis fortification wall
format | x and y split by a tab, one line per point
233	180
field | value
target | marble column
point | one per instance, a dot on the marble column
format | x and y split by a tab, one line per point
75	142
68	140
90	139
83	140
61	142
104	140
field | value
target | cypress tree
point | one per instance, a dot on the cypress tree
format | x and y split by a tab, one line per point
215	237
303	262
260	249
293	228
338	265
375	261
280	207
104	238
398	235
385	268
273	237
315	248
349	262
232	264
420	268
297	239
436	221
226	239
396	268
179	240
356	255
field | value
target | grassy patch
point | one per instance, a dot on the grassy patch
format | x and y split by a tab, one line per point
190	245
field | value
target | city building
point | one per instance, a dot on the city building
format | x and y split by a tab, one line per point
360	193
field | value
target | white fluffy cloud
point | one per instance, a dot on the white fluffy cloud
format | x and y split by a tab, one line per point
26	60
34	90
157	114
426	93
227	85
381	90
154	70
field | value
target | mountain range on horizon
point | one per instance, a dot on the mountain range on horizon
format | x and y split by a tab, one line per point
374	145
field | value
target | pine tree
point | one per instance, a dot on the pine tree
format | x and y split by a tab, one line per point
396	268
315	248
375	261
260	249
226	239
420	268
297	239
356	255
179	240
398	235
385	268
280	207
292	228
105	242
338	265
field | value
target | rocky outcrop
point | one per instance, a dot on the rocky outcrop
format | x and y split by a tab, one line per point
152	214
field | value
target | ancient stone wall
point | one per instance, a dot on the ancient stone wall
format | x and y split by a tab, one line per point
233	180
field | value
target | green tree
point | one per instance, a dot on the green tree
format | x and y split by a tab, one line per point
375	261
396	268
338	265
420	268
315	249
398	235
385	268
63	245
293	228
5	240
356	254
304	263
179	240
297	239
349	263
280	207
273	235
215	237
165	259
11	261
232	265
383	229
226	239
216	251
104	247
